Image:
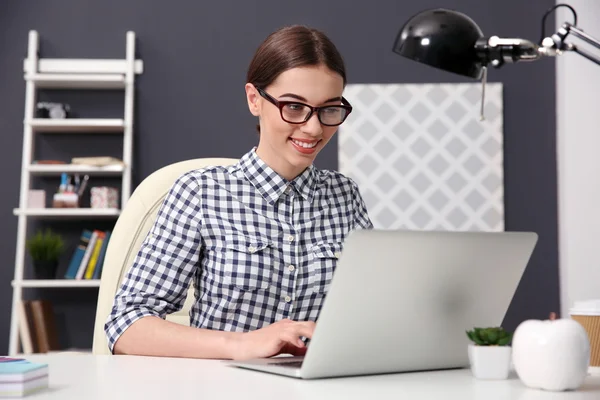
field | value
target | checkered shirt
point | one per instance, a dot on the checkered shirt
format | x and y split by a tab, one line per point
258	248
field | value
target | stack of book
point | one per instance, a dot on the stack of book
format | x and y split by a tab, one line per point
37	326
97	161
19	377
88	258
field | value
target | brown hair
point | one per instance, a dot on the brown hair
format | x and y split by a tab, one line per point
290	47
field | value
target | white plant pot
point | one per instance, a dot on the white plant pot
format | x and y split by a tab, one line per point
490	362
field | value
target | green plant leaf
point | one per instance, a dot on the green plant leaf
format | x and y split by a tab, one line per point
483	335
45	246
478	341
471	334
492	337
504	341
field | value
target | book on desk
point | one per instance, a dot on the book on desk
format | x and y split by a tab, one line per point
20	377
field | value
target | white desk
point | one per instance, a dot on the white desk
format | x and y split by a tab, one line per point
84	376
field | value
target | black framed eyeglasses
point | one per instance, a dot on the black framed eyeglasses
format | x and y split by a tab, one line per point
294	112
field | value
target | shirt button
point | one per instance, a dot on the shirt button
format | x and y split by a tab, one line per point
288	299
291	268
288	189
290	238
337	254
251	249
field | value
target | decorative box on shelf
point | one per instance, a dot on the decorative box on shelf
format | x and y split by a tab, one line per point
104	197
36	199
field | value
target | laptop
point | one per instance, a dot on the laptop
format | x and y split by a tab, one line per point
402	301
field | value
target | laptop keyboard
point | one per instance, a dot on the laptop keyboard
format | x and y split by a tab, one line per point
291	364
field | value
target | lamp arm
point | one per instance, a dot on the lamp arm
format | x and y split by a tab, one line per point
575	31
583	53
556	43
496	51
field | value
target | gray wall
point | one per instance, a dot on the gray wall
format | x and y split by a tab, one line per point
190	103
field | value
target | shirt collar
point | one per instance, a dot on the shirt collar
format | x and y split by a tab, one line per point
305	183
270	184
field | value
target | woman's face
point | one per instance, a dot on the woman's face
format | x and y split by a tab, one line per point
290	148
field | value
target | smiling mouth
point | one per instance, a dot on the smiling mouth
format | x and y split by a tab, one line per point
305	145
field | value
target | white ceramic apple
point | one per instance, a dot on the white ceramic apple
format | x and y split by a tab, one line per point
551	354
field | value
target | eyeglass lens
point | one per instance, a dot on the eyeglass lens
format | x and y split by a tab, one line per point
331	115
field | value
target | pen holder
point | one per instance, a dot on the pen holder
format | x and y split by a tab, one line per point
104	197
65	200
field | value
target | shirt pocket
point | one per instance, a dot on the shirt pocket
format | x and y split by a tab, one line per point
323	261
248	262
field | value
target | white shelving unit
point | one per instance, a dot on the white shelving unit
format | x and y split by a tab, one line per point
109	170
56	283
77	81
76	125
83	74
67	212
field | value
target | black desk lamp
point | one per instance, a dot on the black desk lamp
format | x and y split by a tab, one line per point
451	41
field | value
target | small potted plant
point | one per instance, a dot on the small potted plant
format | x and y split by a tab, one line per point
45	250
490	352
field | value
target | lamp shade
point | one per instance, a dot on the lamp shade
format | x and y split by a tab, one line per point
443	39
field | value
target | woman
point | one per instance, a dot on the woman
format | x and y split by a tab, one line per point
260	238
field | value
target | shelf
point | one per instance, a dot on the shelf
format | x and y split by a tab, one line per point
77	81
84	66
77	125
57	283
44	77
69	212
57	169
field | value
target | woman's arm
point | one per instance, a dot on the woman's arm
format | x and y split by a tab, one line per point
154	336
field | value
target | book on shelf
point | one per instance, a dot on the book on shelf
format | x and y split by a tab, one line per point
37	327
97	161
20	377
48	162
88	258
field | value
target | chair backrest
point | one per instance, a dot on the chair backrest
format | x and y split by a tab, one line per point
130	230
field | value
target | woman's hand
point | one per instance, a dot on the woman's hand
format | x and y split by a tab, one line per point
282	337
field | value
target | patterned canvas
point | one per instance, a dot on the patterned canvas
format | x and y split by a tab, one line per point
423	158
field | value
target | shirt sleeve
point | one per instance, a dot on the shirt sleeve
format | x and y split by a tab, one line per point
158	281
361	215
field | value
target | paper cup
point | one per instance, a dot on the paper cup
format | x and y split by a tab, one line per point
587	313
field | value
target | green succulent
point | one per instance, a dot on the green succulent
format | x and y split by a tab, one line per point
495	336
46	246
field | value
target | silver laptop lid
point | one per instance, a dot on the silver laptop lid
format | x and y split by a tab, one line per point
402	300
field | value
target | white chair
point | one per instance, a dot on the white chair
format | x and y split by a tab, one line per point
129	232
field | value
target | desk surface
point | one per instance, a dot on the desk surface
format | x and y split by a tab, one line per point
85	376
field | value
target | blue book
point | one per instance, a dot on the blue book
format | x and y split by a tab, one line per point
84	240
100	262
19	371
